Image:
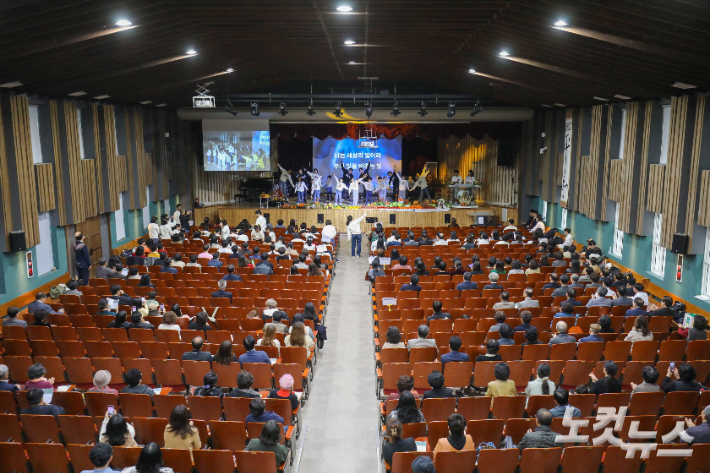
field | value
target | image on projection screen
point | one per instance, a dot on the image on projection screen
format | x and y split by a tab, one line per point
237	150
330	156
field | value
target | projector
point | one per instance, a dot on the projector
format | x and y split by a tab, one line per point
203	101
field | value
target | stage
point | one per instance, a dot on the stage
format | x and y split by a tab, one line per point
235	213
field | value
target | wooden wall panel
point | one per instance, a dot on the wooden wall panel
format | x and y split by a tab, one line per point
643	172
112	160
625	180
601	212
589	171
704	202
672	177
45	187
58	160
88	176
500	183
616	189
694	177
96	109
5	183
656	174
25	169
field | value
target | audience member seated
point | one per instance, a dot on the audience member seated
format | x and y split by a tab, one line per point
665	310
697	434
40	318
493	278
394	338
244	382
120	321
492	347
436	381
169	322
407	411
531	338
35	398
215	261
593	336
5	384
608	384
286	392
149	461
540	386
454	354
40	303
504	302
268	441
637	309
138	322
697	332
622	300
649	374
12	318
457	440
116	432
209	386
258	413
438	314
526	317
200	322
502	386
421	340
102	378
528	302
197	354
562	335
543	436
298	338
599	299
180	432
562	399
36	378
100	456
506	335
682	378
404	383
640	331
564	285
133	380
413	284
252	355
394	442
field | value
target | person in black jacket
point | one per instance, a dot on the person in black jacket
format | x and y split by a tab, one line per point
244	381
133	383
200	322
138	322
120	321
436	381
210	387
117	294
35	398
608	384
684	379
82	258
197	354
395	443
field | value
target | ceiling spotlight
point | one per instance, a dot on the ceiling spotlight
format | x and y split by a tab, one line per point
190	52
349	42
422	111
338	111
255	109
309	109
123	23
452	110
395	109
282	109
344	8
351	62
230	70
368	111
476	108
472	71
560	23
504	54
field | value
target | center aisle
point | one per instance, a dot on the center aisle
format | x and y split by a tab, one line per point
341	417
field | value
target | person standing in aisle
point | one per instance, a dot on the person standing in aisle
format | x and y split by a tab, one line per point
354	233
82	258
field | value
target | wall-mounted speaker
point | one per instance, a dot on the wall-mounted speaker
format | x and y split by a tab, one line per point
447	218
320	218
17	241
393	219
680	244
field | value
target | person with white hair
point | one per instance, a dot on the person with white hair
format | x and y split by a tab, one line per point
700	433
5	384
286	392
562	335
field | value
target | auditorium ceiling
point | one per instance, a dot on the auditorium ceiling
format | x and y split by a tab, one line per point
559	52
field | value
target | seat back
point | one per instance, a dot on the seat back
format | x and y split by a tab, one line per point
205	407
150	429
77	429
255	462
40	429
177	459
462	461
540	460
507	407
210	461
494	461
47	457
13	458
236	409
227	435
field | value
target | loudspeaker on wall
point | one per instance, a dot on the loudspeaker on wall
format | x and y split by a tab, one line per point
393	219
320	218
680	243
17	241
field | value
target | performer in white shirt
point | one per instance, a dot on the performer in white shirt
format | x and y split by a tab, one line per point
403	187
456	179
329	181
355	191
421	182
285	177
329	232
354	233
315	185
470	179
367	183
382	189
260	220
339	188
301	191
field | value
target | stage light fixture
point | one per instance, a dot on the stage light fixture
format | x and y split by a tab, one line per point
476	108
349	42
230	70
560	23
338	111
395	109
452	110
229	108
504	54
368	111
190	52
344	8
310	111
423	111
472	71
123	23
282	109
255	109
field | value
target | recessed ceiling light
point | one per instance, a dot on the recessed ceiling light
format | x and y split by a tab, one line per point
560	23
622	97
10	85
123	23
77	94
161	105
344	8
472	71
191	52
146	102
601	98
101	97
681	85
504	54
349	41
230	70
560	105
351	62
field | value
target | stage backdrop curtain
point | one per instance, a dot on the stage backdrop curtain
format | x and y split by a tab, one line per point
339	131
295	154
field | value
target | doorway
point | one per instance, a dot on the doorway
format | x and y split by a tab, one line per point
91	228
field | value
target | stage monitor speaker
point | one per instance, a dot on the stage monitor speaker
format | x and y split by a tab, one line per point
320	218
507	148
17	241
447	218
393	219
268	219
680	243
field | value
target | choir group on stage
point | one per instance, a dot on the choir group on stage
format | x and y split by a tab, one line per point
347	187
